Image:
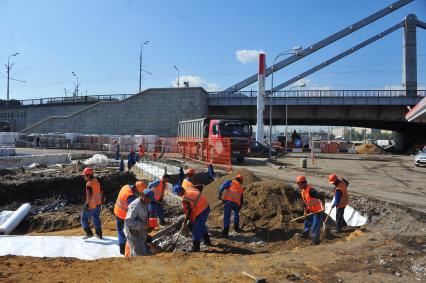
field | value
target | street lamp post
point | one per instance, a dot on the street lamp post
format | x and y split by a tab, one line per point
8	71
286	113
294	50
140	64
177	70
76	86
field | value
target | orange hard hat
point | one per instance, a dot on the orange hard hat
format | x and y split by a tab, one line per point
140	186
87	171
300	179
239	176
190	171
332	178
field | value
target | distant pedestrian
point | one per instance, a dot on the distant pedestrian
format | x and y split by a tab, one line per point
131	159
38	142
117	150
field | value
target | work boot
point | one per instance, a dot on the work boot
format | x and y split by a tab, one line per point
195	247
237	229
99	233
207	240
316	241
225	232
122	248
89	233
303	235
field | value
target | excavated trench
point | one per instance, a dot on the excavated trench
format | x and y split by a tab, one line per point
56	196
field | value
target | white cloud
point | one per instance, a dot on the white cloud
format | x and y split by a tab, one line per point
248	56
308	85
195	81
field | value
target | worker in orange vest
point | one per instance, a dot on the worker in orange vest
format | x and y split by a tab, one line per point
188	182
156	206
141	151
341	199
92	204
196	209
313	205
189	174
126	195
233	200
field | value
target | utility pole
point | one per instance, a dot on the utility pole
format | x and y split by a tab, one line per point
77	84
8	66
140	64
177	70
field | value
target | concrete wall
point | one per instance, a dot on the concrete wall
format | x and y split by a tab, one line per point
24	116
154	111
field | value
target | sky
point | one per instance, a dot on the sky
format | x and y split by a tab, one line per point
214	44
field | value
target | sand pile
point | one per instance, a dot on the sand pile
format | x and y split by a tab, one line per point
369	148
267	204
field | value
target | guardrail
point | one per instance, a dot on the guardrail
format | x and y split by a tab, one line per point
321	93
74	99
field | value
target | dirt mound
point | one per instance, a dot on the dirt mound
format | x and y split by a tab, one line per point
267	205
210	191
370	149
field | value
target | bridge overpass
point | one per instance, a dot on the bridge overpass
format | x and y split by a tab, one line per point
381	109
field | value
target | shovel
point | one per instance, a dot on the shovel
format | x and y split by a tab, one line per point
173	246
326	228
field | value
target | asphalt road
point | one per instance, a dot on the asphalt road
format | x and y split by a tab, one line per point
392	178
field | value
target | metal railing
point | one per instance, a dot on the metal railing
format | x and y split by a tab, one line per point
74	99
320	93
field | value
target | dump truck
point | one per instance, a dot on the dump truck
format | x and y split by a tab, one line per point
204	138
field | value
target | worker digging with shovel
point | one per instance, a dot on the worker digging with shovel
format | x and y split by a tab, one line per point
314	210
196	209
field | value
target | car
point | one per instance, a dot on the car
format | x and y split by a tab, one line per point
420	158
258	149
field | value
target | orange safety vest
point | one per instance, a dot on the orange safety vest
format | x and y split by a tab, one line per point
198	203
312	204
159	190
234	192
186	183
96	198
121	205
344	199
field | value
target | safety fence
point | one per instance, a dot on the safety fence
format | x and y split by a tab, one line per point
215	151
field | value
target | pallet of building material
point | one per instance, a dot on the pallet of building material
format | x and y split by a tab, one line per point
104	139
106	147
78	146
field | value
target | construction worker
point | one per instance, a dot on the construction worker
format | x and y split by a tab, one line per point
233	201
92	204
131	159
141	152
126	196
189	174
314	207
196	209
341	199
187	182
136	224
156	206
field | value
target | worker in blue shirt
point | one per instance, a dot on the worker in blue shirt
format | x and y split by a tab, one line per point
131	159
156	205
233	201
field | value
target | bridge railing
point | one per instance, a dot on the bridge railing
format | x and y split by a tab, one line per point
319	93
74	99
223	97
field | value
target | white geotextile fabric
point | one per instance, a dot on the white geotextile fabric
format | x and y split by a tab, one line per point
59	246
352	217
